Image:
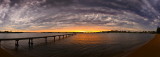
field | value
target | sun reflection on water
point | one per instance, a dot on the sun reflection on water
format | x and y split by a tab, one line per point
89	38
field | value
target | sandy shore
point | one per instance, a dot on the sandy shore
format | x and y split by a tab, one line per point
3	53
151	49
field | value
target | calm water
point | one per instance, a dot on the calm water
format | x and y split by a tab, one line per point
80	45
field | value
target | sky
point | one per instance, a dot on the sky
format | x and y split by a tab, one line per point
79	15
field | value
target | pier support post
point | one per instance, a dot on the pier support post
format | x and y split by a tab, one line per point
67	35
16	43
59	37
54	38
45	39
31	42
0	43
63	36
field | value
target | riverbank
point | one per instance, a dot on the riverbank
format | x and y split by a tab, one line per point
151	49
3	53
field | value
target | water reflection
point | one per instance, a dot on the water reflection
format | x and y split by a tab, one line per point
91	39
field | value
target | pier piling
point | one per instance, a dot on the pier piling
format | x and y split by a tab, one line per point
16	43
45	39
54	38
59	37
0	43
31	42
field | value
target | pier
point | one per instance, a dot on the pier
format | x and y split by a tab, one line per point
30	39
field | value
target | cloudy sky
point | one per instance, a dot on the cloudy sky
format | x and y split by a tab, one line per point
79	15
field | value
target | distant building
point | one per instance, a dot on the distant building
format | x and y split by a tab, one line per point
158	30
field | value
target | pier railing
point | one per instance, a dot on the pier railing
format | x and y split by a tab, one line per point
30	39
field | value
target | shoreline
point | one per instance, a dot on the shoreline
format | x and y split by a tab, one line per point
4	53
150	49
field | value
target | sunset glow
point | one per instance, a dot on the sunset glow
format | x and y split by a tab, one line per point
75	29
86	31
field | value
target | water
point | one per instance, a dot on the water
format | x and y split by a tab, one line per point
80	45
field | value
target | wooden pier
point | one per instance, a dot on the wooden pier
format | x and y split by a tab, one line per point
30	39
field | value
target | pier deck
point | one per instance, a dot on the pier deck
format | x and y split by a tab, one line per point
30	39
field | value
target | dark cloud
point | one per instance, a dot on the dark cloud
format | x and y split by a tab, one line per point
13	2
135	6
57	3
43	14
